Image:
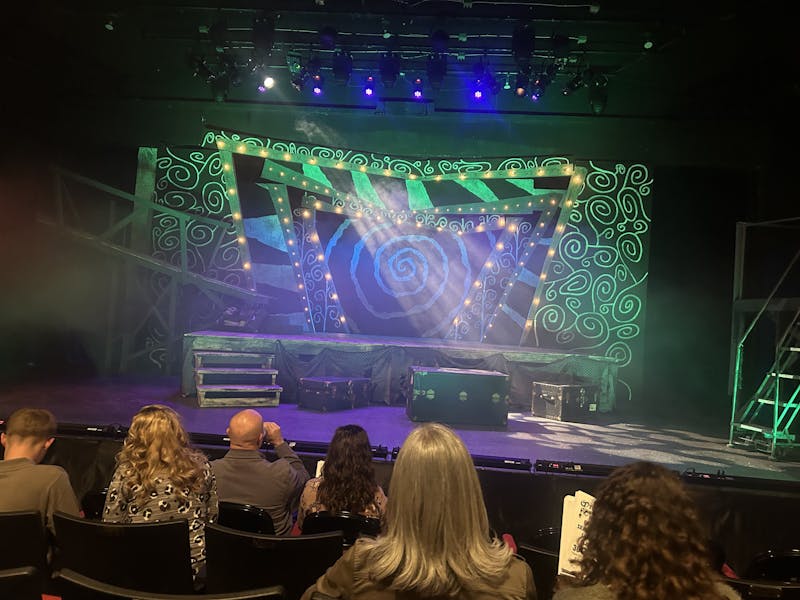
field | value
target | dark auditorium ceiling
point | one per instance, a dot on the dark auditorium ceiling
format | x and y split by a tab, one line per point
661	60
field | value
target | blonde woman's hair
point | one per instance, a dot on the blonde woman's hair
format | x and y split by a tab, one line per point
157	445
437	540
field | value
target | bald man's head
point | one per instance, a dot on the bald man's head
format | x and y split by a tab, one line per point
246	429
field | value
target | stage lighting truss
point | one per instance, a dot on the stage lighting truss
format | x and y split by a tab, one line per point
522	81
541	80
314	69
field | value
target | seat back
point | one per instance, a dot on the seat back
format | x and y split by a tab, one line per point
152	557
79	587
544	564
245	517
237	560
775	565
754	589
351	525
20	583
93	503
29	545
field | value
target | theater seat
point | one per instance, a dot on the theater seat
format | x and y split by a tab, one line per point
351	525
30	540
753	589
20	583
544	564
152	557
775	565
237	560
245	517
79	587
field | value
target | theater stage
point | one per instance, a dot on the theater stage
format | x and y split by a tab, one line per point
610	440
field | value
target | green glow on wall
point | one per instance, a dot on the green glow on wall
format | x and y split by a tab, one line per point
479	188
364	189
418	198
315	173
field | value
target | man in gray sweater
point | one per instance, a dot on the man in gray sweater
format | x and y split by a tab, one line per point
245	476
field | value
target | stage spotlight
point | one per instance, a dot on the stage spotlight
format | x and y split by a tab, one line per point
521	83
523	43
541	81
436	68
575	83
267	84
314	70
483	83
327	38
369	86
439	41
263	35
389	67
342	66
417	88
598	94
299	79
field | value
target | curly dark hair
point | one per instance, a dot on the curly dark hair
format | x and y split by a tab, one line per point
644	539
348	479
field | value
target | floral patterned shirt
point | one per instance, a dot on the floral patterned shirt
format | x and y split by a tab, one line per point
165	503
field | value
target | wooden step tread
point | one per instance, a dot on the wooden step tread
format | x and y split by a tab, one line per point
235	371
206	401
234	387
225	353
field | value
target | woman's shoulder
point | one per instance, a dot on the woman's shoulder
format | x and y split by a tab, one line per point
313	483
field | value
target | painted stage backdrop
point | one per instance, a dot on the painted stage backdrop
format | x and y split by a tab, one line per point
515	251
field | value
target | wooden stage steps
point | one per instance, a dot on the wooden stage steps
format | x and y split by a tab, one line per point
224	378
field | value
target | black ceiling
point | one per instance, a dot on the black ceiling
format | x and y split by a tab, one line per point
708	59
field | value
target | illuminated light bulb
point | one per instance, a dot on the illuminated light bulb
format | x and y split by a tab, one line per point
299	286
339	166
264	153
483	210
334	296
477	284
341	318
437	178
412	176
479	228
543	275
358	214
553	201
287	156
246	266
531	244
290	242
455	321
501	222
568	202
505	207
226	167
488	174
362	168
467	302
436	210
521	263
536	301
528	324
387	172
488	264
241	239
281	173
462	176
285	219
236	216
419	224
220	144
280	199
232	191
312	161
512	228
539	171
530	204
305	183
499	245
320	257
460	232
560	228
241	148
399	221
315	238
305	308
491	324
541	224
500	305
306	214
296	264
338	210
551	252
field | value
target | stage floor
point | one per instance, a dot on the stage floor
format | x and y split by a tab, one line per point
612	440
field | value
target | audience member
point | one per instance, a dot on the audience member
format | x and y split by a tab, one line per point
244	476
159	477
643	541
24	483
347	482
437	542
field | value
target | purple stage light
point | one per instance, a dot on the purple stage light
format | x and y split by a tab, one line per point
477	95
368	91
418	94
317	90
